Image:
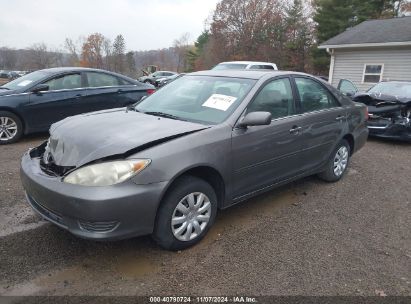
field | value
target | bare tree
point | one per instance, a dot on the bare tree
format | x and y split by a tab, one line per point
8	58
39	56
181	47
71	47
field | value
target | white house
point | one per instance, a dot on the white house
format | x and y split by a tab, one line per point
373	51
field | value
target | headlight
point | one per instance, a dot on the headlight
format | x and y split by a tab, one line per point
106	174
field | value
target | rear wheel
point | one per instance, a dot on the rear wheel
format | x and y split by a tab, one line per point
11	128
338	163
186	214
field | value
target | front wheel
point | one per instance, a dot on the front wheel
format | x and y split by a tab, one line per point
338	163
186	214
11	128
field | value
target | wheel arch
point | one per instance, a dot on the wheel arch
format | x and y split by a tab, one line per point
23	123
208	174
350	139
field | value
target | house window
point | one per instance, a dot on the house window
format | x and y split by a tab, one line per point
372	73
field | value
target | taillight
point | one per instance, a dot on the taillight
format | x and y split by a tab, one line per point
366	113
150	91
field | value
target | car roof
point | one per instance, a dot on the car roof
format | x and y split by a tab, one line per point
246	62
69	69
249	74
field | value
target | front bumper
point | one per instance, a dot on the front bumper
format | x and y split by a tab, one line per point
390	130
106	213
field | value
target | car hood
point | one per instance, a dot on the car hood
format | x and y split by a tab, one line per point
6	92
81	139
376	99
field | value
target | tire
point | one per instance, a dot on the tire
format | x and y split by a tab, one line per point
11	128
177	236
342	152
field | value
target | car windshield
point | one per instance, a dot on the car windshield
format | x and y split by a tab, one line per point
230	66
402	89
202	99
24	81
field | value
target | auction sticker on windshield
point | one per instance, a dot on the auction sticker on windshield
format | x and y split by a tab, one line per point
219	102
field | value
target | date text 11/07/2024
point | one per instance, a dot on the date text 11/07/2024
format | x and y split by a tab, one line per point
235	299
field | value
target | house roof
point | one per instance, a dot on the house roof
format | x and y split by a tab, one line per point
383	32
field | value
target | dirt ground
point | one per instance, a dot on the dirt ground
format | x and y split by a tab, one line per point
307	238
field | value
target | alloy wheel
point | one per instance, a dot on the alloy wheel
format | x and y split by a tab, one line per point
8	128
191	216
340	161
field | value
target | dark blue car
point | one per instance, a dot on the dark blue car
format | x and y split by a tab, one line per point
33	102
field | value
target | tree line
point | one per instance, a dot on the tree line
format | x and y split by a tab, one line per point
286	32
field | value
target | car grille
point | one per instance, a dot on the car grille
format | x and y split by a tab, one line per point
99	227
53	170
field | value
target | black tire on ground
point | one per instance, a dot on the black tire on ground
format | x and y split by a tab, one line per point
328	174
185	185
18	134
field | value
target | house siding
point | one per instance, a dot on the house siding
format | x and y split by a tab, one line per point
349	64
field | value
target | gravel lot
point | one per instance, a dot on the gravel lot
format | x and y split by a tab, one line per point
307	238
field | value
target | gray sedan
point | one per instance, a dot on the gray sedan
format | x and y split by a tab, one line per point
204	142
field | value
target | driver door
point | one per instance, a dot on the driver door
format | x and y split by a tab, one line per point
60	101
265	155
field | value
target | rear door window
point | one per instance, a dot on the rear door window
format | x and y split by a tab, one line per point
313	96
96	80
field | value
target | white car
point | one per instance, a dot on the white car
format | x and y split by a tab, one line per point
245	65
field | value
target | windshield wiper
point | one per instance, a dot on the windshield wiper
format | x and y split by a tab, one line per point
165	115
4	88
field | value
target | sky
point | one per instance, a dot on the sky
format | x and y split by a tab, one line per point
145	24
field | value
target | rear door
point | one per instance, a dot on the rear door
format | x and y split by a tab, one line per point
264	155
322	119
106	91
60	101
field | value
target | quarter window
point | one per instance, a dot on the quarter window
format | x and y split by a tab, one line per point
372	73
65	82
102	80
276	97
314	96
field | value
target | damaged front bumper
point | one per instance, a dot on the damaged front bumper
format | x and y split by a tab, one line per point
104	213
400	129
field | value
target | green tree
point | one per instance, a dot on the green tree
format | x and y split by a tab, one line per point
195	55
299	36
119	49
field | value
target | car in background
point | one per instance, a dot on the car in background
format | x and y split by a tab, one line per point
34	101
151	79
163	81
4	74
389	107
245	65
204	142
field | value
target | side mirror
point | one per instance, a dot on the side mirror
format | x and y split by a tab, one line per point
256	119
349	94
40	88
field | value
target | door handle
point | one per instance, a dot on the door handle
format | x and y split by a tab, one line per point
340	118
78	96
295	130
119	91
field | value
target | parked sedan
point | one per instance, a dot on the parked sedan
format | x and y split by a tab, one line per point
34	101
389	107
151	79
204	142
